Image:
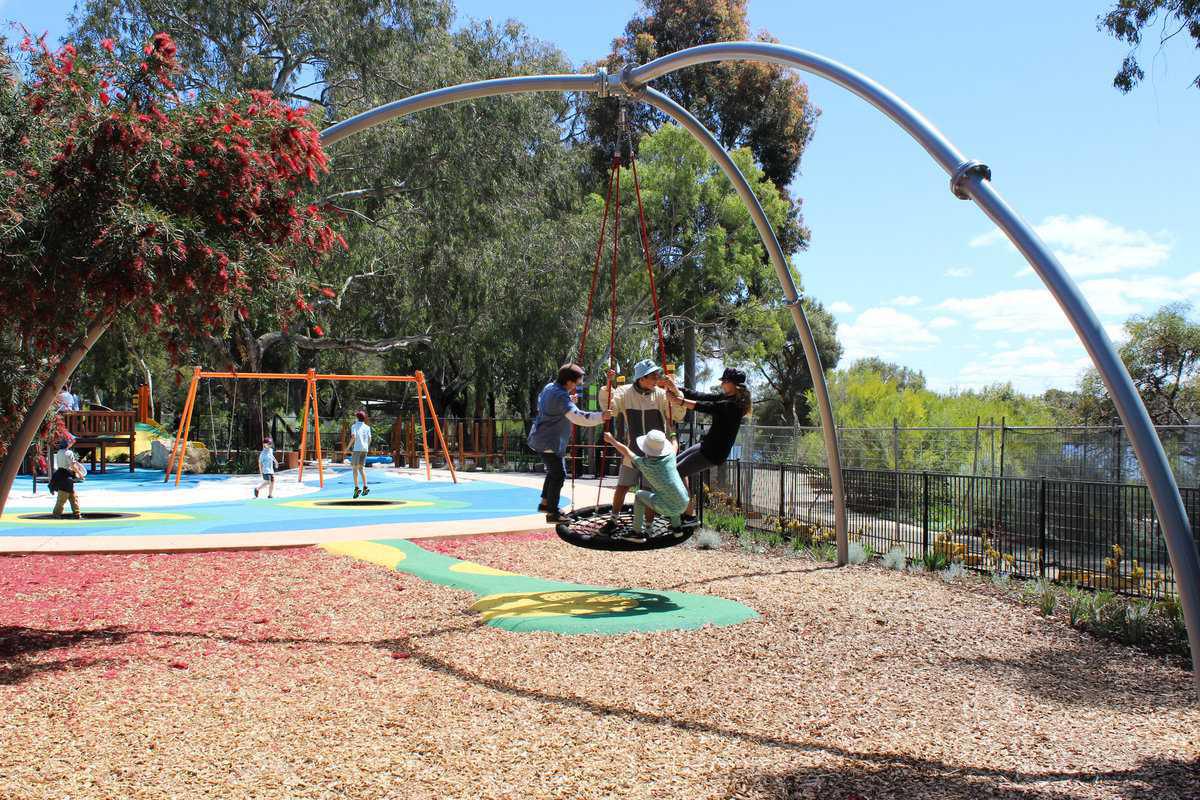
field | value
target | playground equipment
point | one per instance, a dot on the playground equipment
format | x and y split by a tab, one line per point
969	180
310	378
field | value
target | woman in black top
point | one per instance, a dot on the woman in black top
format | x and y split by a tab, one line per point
727	409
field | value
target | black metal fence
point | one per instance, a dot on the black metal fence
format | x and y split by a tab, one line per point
1100	535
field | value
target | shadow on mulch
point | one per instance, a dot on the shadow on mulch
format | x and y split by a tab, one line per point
19	646
902	780
762	574
1077	677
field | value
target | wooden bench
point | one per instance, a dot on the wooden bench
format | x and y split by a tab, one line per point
100	430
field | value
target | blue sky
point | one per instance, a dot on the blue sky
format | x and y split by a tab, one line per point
913	274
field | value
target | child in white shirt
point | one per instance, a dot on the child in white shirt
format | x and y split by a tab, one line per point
360	435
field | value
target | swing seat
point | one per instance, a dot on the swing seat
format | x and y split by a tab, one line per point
587	527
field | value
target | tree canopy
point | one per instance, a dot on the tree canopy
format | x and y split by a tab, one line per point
1130	21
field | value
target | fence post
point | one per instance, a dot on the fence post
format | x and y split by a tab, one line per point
1042	527
924	513
782	488
896	474
737	466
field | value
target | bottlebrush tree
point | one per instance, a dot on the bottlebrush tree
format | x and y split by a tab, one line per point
120	196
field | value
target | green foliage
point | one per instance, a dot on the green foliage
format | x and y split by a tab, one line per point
1080	606
777	354
1137	616
1129	20
825	551
1162	354
895	558
856	553
935	561
1046	596
728	523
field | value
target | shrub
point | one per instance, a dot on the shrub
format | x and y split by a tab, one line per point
1137	615
935	561
1047	597
895	558
826	551
706	539
1080	609
953	572
857	553
729	523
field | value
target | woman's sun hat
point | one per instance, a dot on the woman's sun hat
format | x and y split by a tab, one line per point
655	443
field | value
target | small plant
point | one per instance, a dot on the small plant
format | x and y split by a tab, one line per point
729	523
953	572
826	551
1172	611
774	539
935	561
1080	609
1137	615
894	559
1000	579
1047	598
706	539
1102	603
857	553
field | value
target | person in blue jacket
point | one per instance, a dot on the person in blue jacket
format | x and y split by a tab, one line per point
551	432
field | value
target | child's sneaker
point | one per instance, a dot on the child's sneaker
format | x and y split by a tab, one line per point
256	492
630	535
366	490
357	492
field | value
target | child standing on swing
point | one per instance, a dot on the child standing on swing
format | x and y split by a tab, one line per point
266	468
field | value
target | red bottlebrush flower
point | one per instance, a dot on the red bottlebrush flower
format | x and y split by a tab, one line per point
318	331
325	290
107	44
104	98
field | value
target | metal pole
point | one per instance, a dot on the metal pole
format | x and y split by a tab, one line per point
968	180
794	300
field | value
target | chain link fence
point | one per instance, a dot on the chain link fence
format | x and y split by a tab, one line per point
1099	454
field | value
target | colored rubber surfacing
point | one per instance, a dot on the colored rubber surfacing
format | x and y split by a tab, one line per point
522	603
156	509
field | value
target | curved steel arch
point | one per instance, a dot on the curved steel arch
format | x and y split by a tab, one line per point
968	180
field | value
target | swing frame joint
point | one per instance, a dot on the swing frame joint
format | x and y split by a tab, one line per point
966	170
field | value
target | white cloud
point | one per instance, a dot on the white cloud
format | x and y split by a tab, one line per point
1032	367
884	332
903	300
959	272
1017	310
841	307
941	323
1090	245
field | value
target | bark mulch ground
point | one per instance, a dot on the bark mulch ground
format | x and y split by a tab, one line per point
301	674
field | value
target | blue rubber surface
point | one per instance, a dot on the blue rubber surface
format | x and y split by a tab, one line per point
421	501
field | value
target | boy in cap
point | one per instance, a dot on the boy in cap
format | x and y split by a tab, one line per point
642	406
657	466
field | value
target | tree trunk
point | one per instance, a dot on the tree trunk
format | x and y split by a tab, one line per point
689	355
36	414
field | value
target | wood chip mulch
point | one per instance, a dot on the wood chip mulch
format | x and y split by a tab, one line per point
298	674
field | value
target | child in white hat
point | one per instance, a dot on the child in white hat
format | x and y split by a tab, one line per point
669	496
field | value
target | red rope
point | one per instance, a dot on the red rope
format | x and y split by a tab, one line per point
587	319
637	188
612	336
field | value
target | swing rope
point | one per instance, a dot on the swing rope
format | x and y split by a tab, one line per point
591	527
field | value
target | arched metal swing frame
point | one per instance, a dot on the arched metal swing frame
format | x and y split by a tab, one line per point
969	180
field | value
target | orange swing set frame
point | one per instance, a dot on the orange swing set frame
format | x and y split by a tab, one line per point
310	379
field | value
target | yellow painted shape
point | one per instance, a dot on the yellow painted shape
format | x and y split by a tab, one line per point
552	604
372	552
478	569
142	516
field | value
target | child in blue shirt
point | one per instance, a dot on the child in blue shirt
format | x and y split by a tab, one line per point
266	468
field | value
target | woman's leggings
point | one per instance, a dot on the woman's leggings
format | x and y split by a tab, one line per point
692	462
556	476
